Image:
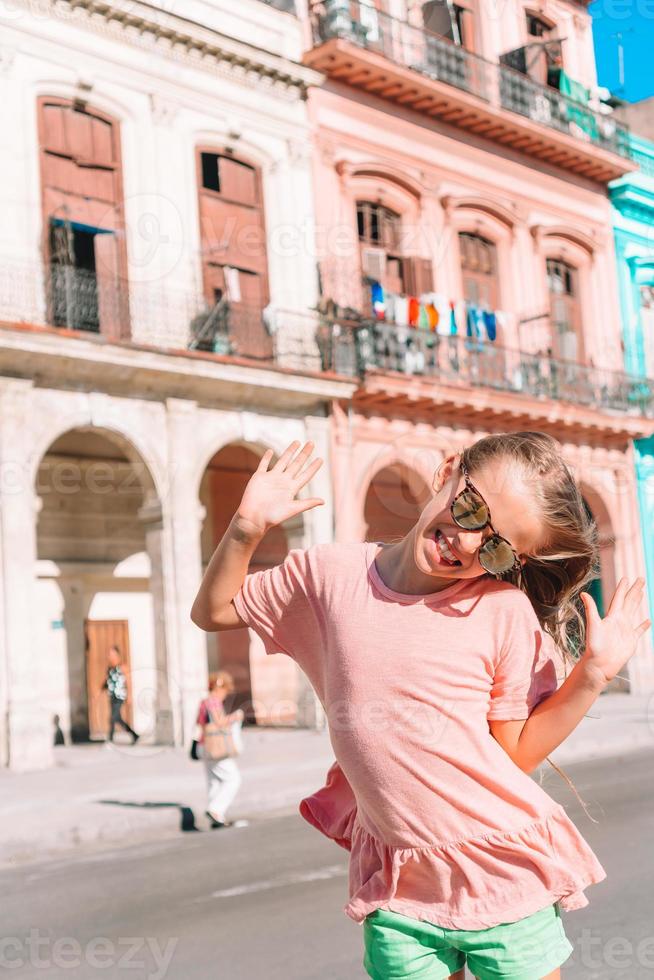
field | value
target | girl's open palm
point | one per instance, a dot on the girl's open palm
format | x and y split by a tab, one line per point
611	641
270	497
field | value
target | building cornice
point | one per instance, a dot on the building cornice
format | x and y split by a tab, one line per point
168	34
633	201
57	358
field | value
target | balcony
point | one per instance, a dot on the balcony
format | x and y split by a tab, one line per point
466	380
417	69
77	303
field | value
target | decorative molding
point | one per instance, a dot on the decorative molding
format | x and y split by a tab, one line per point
507	214
7	58
377	170
588	241
299	152
174	36
164	112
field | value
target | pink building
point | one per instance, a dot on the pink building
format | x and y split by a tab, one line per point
466	257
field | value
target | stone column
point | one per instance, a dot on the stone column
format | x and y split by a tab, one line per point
166	711
319	521
186	517
77	603
26	724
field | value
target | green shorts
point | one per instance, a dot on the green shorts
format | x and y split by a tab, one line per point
398	947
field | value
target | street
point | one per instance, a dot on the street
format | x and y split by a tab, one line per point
266	900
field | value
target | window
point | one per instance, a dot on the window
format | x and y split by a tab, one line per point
235	262
543	52
382	257
379	235
455	21
378	225
537	27
82	201
565	311
232	179
479	270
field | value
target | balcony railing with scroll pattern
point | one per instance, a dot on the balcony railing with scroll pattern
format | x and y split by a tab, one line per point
368	345
441	59
153	314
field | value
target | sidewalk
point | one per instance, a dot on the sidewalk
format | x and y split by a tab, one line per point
96	795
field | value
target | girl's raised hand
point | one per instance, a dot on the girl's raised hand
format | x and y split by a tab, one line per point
270	497
611	641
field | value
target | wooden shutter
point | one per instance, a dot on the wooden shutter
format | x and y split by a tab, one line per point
238	181
110	299
418	276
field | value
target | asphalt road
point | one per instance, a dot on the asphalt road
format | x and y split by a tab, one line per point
266	901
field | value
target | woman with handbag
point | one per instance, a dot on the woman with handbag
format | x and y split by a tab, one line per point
219	734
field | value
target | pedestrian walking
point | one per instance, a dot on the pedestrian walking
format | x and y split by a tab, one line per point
116	685
218	735
449	664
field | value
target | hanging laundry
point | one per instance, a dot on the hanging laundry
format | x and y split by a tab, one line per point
501	321
453	323
232	284
432	316
461	313
471	321
378	300
423	319
389	312
490	324
414	311
401	306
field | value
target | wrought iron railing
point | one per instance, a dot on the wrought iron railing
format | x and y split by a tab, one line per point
642	153
371	346
441	59
235	329
155	314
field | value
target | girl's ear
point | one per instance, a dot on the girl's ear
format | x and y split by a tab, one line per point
444	471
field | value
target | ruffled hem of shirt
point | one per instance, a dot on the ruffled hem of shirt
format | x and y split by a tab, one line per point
516	872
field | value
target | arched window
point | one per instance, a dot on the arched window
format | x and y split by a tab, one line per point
382	255
235	262
83	247
479	270
565	310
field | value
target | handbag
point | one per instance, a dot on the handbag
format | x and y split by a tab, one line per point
222	741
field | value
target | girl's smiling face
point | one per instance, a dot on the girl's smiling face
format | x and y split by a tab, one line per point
444	550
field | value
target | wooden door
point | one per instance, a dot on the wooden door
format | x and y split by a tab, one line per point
101	635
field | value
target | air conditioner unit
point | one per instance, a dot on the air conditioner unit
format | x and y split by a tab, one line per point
373	263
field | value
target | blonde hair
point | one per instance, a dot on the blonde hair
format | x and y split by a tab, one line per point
222	678
568	558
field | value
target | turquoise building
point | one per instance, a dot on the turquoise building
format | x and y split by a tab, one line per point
632	198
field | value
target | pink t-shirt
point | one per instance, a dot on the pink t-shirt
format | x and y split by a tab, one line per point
440	823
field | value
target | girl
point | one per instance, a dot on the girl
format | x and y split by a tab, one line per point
223	776
437	659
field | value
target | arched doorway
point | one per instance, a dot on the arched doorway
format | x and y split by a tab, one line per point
266	687
98	543
395	497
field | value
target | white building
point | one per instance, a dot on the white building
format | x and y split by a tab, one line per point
157	278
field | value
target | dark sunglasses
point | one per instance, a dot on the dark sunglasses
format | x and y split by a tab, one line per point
471	512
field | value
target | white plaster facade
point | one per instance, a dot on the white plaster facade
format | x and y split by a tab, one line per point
172	82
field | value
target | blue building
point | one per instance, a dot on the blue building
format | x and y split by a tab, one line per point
632	197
